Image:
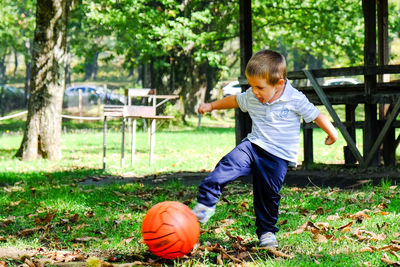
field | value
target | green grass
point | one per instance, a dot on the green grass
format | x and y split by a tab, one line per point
104	220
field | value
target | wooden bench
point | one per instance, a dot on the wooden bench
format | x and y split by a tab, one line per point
147	109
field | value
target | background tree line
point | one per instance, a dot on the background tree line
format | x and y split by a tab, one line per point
177	46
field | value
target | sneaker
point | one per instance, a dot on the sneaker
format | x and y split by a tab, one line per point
203	213
268	239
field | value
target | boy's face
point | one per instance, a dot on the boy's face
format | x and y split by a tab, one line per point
264	91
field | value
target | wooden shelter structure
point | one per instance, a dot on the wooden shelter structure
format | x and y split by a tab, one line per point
378	132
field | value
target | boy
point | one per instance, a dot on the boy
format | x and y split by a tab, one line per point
275	108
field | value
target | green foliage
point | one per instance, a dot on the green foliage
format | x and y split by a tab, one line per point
99	213
171	110
16	25
321	29
85	212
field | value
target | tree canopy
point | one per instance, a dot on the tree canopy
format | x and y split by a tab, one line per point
178	45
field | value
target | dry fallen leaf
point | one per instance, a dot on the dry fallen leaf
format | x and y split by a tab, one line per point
15	203
273	252
280	223
128	240
360	216
323	226
303	211
85	239
64	256
89	214
388	261
391	248
29	263
368	249
74	218
307	226
224	253
49	216
320	238
30	231
8	220
319	211
333	217
296	189
345	226
363	235
382	206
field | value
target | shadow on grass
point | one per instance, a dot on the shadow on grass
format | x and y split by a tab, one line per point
345	178
12	125
7	153
58	177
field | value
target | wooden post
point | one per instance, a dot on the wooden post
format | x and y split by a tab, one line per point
383	133
324	99
350	118
308	145
371	125
388	151
242	119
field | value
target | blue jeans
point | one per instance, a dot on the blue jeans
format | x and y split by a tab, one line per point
268	175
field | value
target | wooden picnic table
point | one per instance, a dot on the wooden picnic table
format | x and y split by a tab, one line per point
134	112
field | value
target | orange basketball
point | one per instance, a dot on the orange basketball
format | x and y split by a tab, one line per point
170	229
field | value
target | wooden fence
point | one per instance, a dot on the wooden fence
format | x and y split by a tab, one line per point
378	134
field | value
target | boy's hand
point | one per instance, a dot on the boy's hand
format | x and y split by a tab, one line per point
330	140
327	126
206	107
332	137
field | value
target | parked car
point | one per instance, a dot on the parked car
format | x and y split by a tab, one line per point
340	81
11	98
92	93
232	88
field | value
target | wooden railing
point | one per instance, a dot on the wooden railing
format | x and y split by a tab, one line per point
351	95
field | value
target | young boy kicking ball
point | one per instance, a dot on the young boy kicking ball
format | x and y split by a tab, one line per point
275	108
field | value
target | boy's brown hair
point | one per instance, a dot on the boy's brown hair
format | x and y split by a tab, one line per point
267	64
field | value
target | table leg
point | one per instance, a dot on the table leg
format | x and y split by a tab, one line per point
133	144
152	139
123	143
104	142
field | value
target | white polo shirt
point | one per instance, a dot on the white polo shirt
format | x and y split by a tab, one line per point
276	125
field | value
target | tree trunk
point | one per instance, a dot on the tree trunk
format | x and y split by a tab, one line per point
28	69
147	78
91	66
15	62
68	68
3	75
42	135
2	104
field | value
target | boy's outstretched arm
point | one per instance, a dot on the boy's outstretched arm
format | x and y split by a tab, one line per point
225	103
323	122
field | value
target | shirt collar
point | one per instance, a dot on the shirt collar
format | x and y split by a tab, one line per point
287	93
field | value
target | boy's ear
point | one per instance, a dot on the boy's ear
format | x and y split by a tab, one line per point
281	81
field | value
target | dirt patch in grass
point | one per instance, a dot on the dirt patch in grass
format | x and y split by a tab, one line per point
16	253
338	177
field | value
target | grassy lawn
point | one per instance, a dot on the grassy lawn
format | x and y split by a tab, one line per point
49	214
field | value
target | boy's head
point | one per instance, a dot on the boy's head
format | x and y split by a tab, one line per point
268	65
